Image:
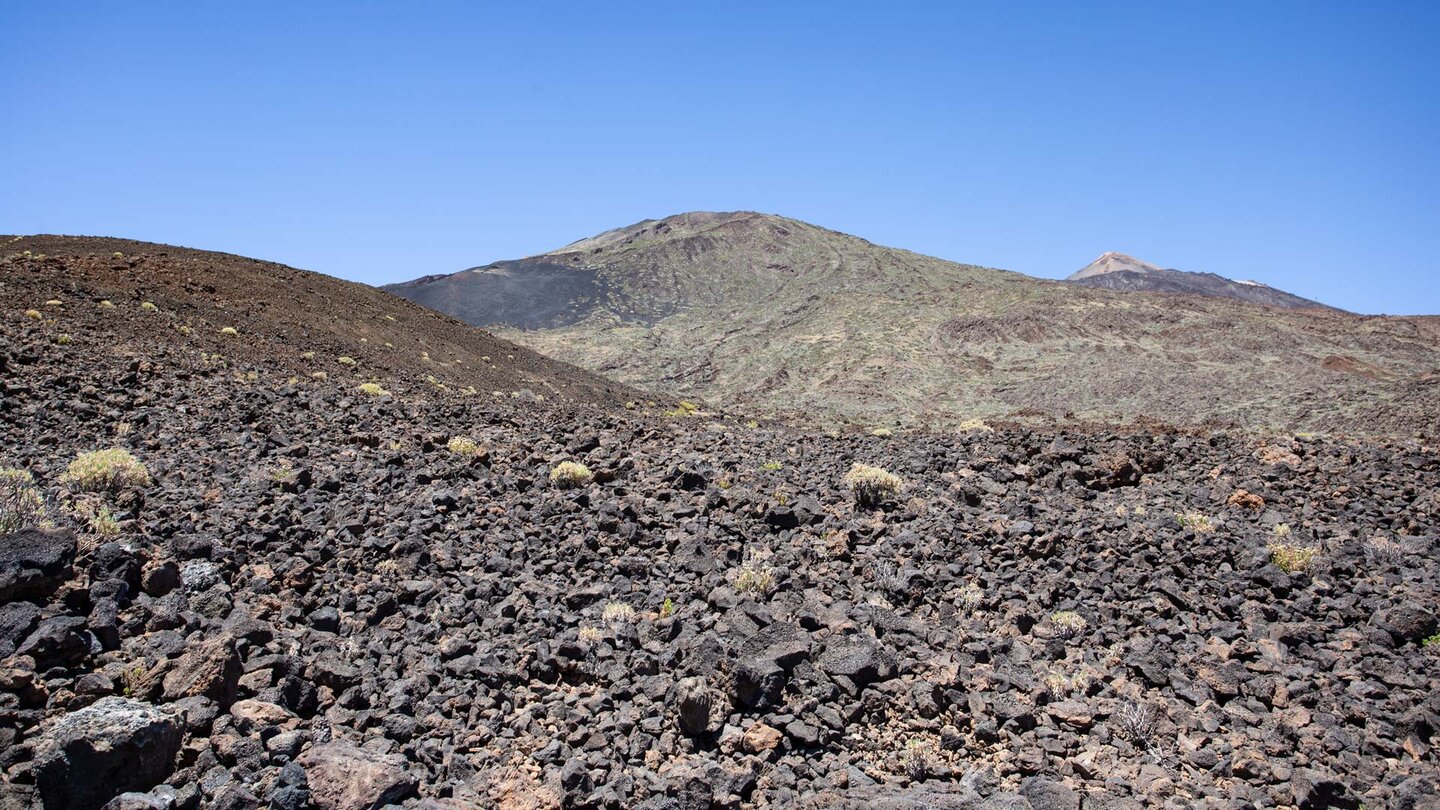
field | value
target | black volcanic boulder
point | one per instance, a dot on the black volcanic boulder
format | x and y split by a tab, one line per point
765	662
57	642
34	562
116	744
864	661
17	620
1410	621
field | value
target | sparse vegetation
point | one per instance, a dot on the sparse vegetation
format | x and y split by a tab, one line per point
148	306
64	340
373	389
684	408
110	470
1068	623
1292	558
1136	722
970	597
21	502
345	360
1281	530
667	608
97	517
229	330
1195	522
617	612
591	634
754	579
872	486
570	474
464	446
974	425
33	314
771	466
1384	550
107	304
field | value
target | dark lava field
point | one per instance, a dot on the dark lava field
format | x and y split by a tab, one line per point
282	589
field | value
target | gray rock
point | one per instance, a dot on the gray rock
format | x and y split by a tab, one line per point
343	777
694	707
86	757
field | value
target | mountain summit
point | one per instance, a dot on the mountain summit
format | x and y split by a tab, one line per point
775	316
1117	271
1113	262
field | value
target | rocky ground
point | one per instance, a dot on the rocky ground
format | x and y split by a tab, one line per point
318	600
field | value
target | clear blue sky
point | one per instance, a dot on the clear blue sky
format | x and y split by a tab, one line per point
1297	143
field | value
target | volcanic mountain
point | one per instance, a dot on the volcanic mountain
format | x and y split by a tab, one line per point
230	577
1117	271
776	316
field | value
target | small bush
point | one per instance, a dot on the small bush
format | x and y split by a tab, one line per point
229	330
33	314
107	304
570	474
97	517
54	302
106	471
591	635
1281	530
1290	557
618	613
21	504
1068	623
1195	522
149	307
970	597
1384	550
373	389
974	425
184	330
667	608
307	355
64	340
464	446
345	360
771	466
754	579
873	486
684	408
882	432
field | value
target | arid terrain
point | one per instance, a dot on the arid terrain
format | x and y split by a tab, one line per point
294	582
772	316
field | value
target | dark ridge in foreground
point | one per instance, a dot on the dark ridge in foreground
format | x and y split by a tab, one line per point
302	320
314	598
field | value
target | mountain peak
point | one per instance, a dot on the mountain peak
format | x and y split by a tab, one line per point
1118	271
1113	262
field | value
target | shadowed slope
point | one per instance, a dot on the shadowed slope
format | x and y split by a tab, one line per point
279	314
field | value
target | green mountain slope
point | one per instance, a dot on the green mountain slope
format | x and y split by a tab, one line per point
775	316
